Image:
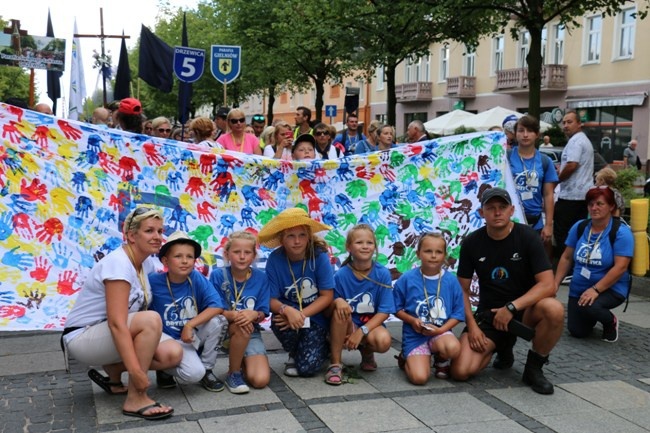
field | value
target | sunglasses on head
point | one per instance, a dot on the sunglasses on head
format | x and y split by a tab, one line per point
258	118
136	213
167	130
320	133
235	121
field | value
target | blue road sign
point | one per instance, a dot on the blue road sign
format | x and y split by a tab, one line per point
188	63
226	63
330	110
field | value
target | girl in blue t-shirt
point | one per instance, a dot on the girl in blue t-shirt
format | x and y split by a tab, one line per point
363	299
429	301
247	293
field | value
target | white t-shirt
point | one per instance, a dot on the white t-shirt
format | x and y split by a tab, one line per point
580	150
270	152
90	306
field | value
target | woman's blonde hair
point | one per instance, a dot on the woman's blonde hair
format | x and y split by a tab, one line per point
374	126
203	128
268	136
158	121
134	219
607	175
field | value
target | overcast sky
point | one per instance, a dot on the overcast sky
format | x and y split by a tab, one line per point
119	15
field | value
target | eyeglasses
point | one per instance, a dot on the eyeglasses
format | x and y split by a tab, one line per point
258	118
320	133
165	130
236	121
136	213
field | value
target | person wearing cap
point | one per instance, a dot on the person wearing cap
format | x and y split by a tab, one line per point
109	324
236	138
304	148
220	122
516	284
508	125
129	115
302	287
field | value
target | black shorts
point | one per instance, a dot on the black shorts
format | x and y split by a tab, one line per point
503	340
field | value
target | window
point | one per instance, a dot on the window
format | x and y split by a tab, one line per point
497	56
625	23
408	70
335	91
524	48
543	48
379	73
426	60
594	34
558	44
469	65
444	63
360	84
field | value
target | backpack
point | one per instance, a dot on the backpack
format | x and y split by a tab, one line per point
616	223
546	160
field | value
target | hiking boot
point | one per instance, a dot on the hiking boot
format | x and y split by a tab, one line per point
441	367
610	332
236	384
211	382
533	374
504	359
164	380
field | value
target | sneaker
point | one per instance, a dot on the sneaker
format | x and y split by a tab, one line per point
235	383
441	367
211	382
567	280
290	368
164	380
610	333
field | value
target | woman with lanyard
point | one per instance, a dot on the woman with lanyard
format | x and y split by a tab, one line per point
110	326
429	301
237	139
535	178
600	267
302	283
370	143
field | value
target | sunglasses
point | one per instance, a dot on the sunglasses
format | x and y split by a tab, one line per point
321	133
258	118
136	213
166	130
236	121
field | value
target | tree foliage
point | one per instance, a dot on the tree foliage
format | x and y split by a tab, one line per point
14	81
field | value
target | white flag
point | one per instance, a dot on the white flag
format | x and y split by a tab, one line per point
77	80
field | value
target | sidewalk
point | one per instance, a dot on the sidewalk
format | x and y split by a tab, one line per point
600	387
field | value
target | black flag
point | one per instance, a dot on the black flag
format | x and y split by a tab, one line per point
53	77
156	63
184	89
123	76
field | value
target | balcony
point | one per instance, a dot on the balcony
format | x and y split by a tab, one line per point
553	78
461	87
413	92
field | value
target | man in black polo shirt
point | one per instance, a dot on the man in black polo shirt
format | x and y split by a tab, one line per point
516	283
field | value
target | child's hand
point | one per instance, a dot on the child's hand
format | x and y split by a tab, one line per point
187	334
290	319
352	341
342	309
246	329
245	317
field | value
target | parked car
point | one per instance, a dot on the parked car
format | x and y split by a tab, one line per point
555	153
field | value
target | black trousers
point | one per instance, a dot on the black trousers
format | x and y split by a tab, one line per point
582	319
567	213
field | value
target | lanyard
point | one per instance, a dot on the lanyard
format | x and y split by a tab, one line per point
239	292
169	287
362	276
426	295
591	249
140	274
295	283
530	175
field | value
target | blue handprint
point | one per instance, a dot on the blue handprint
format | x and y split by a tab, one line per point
22	261
112	243
344	172
87	158
274	180
247	216
79	180
83	205
344	202
51	173
330	219
179	218
74	228
61	255
421	225
105	215
305	173
18	204
39	118
6	225
117	140
173	180
476	219
86	259
94	143
227	224
251	195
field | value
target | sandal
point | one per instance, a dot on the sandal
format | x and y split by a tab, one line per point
290	369
334	375
401	362
105	383
368	361
140	413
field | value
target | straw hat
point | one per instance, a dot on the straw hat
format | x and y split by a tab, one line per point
269	236
178	237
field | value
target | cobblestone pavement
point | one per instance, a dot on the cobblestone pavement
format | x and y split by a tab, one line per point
600	387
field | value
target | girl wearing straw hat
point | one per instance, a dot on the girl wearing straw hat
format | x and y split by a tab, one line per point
302	283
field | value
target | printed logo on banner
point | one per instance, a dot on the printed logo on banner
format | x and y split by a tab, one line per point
188	63
226	62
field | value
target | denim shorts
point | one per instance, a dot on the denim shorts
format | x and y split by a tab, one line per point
255	345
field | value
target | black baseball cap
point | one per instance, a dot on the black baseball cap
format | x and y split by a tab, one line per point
223	112
495	193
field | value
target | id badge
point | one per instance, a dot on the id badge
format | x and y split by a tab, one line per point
526	195
585	272
306	323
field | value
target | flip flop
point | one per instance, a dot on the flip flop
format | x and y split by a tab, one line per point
104	382
140	413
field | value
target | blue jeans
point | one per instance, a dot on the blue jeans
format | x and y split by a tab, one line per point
582	319
307	346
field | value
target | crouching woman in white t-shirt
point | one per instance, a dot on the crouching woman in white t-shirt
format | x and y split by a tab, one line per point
109	324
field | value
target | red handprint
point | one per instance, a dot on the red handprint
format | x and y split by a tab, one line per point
387	172
118	202
206	161
314	204
195	186
203	209
127	165
66	280
320	175
10	132
35	191
12	311
413	149
41	270
362	173
232	161
152	155
22	224
70	132
42	134
16	111
285	166
107	164
50	228
265	195
306	189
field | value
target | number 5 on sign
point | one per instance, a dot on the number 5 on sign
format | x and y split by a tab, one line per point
188	63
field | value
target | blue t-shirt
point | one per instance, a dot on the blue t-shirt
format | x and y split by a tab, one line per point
595	254
530	178
189	299
351	141
318	275
364	295
409	296
255	296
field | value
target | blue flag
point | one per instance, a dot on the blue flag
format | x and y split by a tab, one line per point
156	63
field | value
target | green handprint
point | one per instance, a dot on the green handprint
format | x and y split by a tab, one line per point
408	172
336	241
303	207
347	220
406	261
441	166
201	235
382	259
468	163
396	159
424	185
455	188
450	226
266	215
477	143
405	210
161	191
454	253
460	147
372	207
496	152
357	188
382	233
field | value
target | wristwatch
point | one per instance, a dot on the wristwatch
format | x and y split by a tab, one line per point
511	307
365	330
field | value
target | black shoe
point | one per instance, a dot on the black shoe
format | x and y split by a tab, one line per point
504	359
164	380
534	376
211	382
610	333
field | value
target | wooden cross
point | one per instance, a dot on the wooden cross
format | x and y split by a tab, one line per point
15	31
102	37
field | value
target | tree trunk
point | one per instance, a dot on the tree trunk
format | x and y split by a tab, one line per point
269	110
391	99
320	93
534	61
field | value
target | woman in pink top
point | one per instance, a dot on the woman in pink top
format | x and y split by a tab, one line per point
237	139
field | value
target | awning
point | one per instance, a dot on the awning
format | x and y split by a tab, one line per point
607	101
